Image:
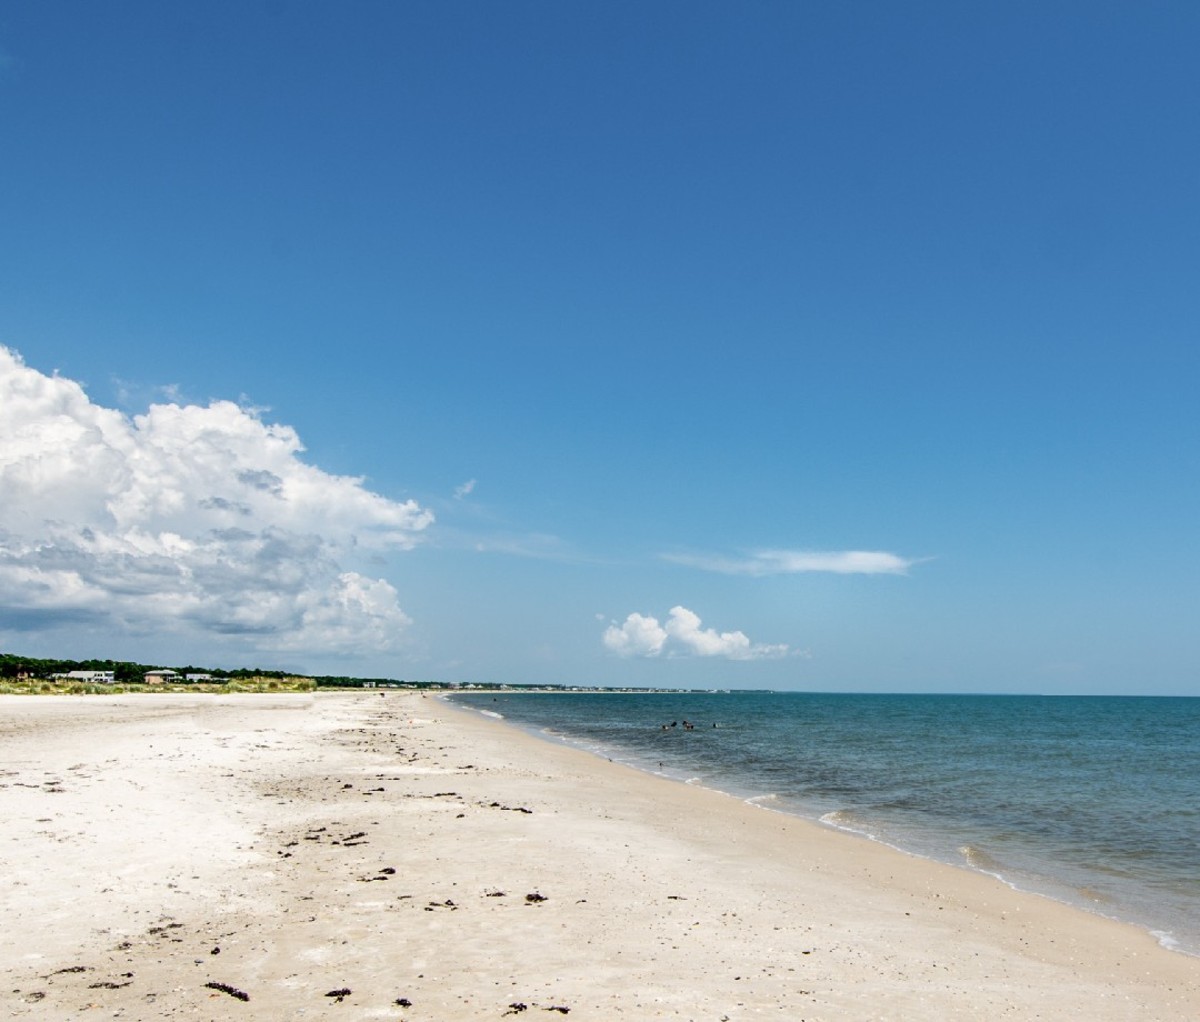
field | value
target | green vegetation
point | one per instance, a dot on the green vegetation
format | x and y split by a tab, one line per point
63	686
33	675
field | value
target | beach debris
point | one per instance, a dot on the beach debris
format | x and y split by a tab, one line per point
69	968
162	931
108	985
560	1008
495	894
215	951
507	809
339	995
535	898
516	1008
402	1002
232	991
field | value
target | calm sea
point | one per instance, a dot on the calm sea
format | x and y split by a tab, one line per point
1091	800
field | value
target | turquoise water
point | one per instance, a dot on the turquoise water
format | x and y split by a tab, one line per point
1091	800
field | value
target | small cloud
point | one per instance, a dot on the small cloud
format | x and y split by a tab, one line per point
682	635
536	545
464	490
792	562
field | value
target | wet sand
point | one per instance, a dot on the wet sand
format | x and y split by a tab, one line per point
367	856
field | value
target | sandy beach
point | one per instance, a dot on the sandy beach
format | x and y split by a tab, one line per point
390	856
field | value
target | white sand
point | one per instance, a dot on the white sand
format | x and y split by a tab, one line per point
152	844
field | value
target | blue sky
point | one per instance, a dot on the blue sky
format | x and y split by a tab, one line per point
610	333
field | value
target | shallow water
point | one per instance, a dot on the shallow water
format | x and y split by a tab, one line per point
1091	800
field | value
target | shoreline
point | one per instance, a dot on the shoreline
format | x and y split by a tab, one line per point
292	847
1166	924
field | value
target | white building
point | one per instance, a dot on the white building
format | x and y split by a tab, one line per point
94	677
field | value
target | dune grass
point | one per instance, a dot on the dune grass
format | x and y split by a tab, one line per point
63	687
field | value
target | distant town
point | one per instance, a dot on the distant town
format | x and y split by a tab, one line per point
33	674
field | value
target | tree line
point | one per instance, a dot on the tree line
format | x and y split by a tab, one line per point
127	672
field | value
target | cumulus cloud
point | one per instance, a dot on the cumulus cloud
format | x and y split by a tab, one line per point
682	635
638	636
790	562
186	517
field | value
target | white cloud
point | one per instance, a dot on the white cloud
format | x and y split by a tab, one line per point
353	611
790	562
638	636
464	490
682	634
185	518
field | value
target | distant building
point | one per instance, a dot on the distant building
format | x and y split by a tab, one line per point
197	677
159	677
93	677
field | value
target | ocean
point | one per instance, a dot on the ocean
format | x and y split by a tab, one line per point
1094	801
